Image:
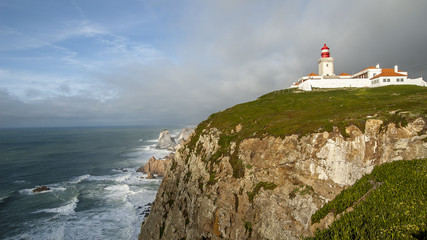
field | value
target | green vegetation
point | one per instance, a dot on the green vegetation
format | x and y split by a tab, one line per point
396	209
288	112
248	228
212	179
301	190
265	185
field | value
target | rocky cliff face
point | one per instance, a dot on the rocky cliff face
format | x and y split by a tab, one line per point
268	188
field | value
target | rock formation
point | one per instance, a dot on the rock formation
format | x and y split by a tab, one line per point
184	134
156	166
166	141
40	189
268	188
150	176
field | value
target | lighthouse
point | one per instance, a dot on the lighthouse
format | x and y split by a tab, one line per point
326	63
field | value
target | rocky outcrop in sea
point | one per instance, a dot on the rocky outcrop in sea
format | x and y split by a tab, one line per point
156	166
166	141
40	189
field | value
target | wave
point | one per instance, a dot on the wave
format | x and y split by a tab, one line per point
20	182
67	209
118	192
83	206
121	177
79	179
3	198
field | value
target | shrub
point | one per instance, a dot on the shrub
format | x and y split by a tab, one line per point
265	185
395	210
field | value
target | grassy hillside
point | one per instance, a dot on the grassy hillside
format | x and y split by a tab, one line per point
396	209
289	112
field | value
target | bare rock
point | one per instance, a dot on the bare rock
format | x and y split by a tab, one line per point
185	134
156	166
40	189
166	141
150	176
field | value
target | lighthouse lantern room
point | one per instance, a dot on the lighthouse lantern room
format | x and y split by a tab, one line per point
326	63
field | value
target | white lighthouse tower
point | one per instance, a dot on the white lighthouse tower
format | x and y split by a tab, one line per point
326	63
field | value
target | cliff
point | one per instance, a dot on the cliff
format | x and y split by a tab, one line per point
260	170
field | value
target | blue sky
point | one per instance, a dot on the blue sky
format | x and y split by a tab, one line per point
145	62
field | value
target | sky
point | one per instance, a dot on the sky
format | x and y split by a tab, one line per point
163	62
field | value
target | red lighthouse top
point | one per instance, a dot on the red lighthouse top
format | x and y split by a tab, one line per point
325	51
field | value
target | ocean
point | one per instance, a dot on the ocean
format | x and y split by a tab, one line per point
95	191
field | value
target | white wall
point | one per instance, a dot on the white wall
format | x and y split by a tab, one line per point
361	82
326	66
418	81
334	83
407	81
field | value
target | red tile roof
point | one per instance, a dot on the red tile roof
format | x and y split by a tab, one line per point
312	74
344	74
371	67
388	72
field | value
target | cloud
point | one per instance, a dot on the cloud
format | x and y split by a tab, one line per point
210	56
30	87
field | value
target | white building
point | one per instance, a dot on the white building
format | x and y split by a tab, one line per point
368	77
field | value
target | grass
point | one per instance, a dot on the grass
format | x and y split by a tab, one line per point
248	228
265	185
301	190
212	178
286	112
397	209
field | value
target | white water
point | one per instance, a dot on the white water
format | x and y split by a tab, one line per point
96	207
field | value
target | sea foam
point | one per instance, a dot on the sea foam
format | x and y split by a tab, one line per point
79	179
67	209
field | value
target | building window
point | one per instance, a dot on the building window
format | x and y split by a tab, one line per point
384	80
326	64
388	79
402	79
